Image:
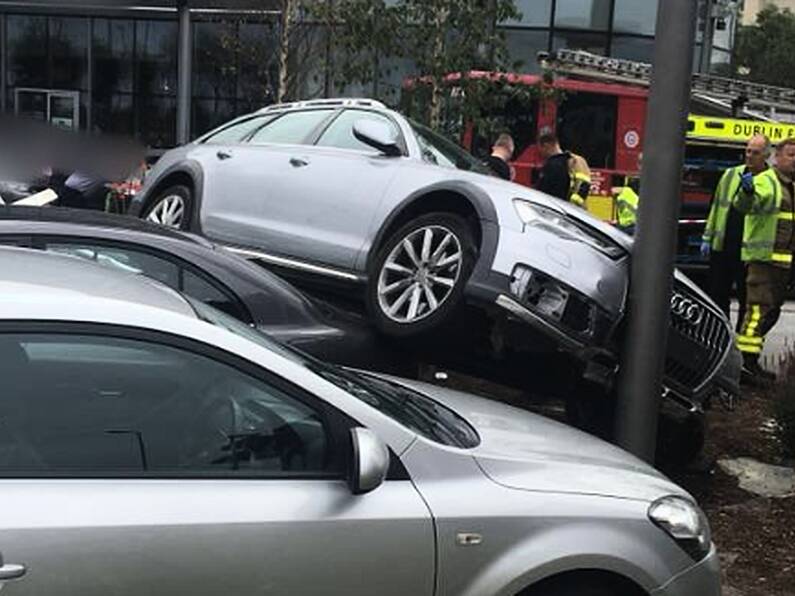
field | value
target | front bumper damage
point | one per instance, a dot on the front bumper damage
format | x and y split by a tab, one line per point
701	361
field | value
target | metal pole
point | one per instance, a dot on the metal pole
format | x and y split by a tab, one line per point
90	78
3	52
640	382
707	39
184	55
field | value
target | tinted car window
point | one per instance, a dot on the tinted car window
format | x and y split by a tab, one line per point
235	133
340	132
291	128
90	405
161	269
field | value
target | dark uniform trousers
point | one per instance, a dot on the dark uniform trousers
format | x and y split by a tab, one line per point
726	270
766	287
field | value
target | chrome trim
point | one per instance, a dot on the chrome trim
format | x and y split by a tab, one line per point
294	264
468	539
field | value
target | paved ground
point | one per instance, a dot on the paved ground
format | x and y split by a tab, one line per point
781	340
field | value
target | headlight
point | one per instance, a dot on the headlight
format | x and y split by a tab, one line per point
683	521
534	214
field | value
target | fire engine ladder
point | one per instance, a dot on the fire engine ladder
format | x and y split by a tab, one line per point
720	91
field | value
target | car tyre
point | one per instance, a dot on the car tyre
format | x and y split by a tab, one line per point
416	281
172	207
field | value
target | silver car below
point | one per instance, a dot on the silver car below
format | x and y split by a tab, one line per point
152	445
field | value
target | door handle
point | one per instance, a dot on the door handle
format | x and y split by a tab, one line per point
298	162
11	571
223	155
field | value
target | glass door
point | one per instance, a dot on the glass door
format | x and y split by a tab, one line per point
56	107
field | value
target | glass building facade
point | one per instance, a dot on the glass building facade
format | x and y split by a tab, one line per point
116	70
121	73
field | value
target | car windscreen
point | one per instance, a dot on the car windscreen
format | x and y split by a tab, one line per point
440	151
412	409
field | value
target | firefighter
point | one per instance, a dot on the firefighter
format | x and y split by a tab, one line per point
768	242
565	175
723	234
627	200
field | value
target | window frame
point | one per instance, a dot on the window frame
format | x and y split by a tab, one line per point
40	241
336	423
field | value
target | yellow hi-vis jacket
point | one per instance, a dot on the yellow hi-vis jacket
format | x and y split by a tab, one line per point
768	230
627	207
726	197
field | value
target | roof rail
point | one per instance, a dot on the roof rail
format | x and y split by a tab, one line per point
340	102
592	66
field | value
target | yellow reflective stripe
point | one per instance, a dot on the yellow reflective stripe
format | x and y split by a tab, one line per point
583	177
780	257
577	199
751	341
750	349
786	216
753	323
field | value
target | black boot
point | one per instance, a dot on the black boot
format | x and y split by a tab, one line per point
753	374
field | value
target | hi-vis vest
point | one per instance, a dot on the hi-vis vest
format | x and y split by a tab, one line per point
579	179
762	219
627	205
729	194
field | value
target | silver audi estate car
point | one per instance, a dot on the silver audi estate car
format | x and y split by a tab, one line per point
150	444
353	195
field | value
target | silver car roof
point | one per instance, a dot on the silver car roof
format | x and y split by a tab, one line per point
33	276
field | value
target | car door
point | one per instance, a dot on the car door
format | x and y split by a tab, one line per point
138	463
243	194
315	202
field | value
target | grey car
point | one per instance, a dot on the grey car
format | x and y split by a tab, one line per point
354	194
153	445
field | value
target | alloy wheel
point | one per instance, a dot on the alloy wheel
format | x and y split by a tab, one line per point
169	211
419	274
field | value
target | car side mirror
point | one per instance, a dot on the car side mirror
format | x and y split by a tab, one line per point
377	135
370	461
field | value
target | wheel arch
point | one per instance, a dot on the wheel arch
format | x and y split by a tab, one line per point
460	198
187	173
615	583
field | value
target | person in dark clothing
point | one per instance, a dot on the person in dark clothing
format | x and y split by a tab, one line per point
501	153
555	178
83	191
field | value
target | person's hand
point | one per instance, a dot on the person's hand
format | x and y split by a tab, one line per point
747	182
705	249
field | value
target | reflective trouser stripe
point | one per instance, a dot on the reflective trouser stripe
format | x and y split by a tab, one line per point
786	216
577	199
782	257
748	341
